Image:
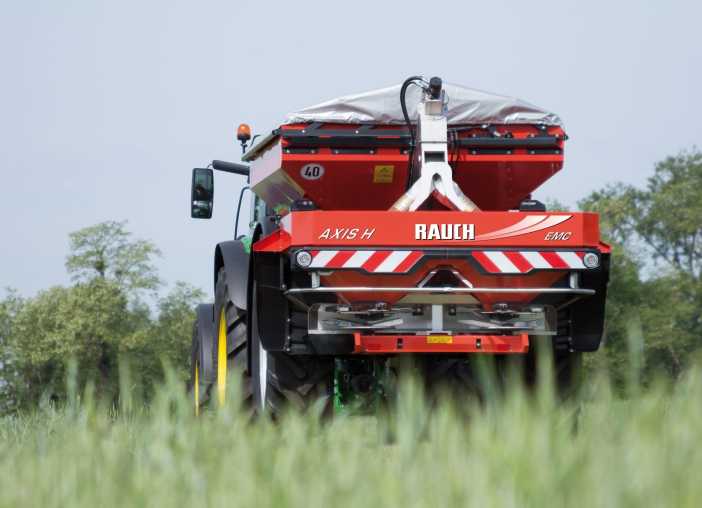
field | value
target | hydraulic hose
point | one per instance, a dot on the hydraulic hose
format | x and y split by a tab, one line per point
412	80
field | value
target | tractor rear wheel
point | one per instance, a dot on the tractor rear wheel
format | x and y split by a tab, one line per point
199	386
566	364
281	381
459	377
229	351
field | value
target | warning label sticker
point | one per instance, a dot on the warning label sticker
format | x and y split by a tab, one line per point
439	339
383	174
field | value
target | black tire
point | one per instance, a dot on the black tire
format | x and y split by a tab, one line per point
200	386
567	367
283	382
460	379
566	364
230	329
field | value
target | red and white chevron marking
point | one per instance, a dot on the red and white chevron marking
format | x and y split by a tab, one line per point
494	261
372	261
402	261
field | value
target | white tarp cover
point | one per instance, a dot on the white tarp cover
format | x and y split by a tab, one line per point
465	106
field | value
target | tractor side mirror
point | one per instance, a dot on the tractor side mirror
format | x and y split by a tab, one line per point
202	193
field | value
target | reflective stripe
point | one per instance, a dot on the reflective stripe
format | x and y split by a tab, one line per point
409	262
392	261
340	259
572	259
519	261
389	261
536	259
375	260
321	259
359	257
554	260
502	262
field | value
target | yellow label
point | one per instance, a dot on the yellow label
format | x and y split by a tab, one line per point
439	339
383	174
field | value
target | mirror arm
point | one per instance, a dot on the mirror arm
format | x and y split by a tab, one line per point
231	167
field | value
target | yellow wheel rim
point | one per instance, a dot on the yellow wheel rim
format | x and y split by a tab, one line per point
196	389
222	360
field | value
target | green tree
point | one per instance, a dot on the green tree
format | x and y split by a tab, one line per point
85	322
625	291
669	213
165	341
95	325
173	327
553	205
657	258
100	322
10	306
107	251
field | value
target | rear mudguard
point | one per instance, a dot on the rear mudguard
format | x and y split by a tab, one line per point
234	256
269	271
276	325
587	316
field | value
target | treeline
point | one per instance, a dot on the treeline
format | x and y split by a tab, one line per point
101	322
654	308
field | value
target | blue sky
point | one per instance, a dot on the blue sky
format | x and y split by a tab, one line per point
106	106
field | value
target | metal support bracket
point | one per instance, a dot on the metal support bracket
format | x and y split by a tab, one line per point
431	156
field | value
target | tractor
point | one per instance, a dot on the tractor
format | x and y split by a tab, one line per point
393	224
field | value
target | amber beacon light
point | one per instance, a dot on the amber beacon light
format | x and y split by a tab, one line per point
243	134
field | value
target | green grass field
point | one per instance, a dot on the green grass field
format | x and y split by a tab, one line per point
518	450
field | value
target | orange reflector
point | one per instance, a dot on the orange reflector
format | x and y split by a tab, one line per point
439	339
